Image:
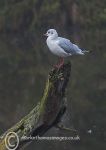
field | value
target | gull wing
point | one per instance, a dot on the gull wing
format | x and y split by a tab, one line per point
67	46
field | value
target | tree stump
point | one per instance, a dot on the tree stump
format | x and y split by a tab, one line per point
46	114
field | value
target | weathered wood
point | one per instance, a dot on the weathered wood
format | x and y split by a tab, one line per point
48	112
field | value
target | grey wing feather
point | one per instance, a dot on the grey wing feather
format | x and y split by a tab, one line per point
68	46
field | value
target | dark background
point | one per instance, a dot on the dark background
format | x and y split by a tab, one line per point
25	62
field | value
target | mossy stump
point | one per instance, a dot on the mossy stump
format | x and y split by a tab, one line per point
47	113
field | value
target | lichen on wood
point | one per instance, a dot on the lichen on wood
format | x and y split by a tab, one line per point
49	110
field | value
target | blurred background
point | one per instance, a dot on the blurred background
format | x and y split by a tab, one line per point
25	62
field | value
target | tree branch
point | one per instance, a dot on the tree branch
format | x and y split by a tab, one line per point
47	113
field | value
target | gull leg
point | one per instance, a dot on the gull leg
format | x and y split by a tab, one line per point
61	62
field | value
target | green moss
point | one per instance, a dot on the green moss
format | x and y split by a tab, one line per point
45	96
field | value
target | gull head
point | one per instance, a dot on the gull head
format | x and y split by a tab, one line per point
51	33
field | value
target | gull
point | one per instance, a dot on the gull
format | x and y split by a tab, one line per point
61	47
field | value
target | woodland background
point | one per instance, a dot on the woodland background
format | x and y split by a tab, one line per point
25	62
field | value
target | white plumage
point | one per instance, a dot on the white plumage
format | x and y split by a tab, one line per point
61	47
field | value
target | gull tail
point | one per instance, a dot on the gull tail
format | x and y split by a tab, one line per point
84	51
79	51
